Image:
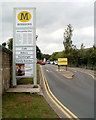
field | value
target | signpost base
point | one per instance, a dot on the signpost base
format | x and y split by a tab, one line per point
58	67
66	67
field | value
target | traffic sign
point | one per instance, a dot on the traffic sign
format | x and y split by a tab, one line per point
62	61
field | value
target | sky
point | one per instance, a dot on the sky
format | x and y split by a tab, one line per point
52	19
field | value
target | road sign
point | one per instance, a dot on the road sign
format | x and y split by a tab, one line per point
62	61
24	48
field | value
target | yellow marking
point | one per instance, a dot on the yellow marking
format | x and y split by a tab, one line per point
60	102
74	116
55	101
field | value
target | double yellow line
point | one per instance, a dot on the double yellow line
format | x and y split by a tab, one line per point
65	110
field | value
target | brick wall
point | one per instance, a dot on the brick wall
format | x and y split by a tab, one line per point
5	68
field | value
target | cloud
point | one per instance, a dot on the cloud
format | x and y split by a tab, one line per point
49	48
53	36
84	35
47	1
52	20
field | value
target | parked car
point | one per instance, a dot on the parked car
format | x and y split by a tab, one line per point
42	63
56	62
51	62
48	62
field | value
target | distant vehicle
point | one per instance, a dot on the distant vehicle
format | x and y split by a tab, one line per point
39	61
42	63
51	62
56	62
48	62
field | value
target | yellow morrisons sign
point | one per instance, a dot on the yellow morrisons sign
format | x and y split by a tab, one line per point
62	61
24	16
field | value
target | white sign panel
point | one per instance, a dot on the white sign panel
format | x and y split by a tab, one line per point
24	27
24	42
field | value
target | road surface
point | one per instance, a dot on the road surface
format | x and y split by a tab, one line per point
76	94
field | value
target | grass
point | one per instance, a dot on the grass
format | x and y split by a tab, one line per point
23	81
29	80
21	105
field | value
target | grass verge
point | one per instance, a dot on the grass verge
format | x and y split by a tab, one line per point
22	105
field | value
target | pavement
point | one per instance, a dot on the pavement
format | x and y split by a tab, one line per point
25	88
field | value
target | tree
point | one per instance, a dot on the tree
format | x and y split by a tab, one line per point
10	44
54	56
47	56
38	53
4	44
91	53
82	46
67	38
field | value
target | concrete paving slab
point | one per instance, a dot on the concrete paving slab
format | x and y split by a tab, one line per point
25	88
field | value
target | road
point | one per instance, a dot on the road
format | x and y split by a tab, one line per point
76	94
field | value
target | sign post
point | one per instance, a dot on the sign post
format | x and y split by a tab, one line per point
62	62
24	44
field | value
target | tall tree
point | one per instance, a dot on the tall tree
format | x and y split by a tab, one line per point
38	53
67	38
54	56
47	56
82	46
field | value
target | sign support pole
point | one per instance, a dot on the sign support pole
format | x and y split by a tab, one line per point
14	82
66	67
58	67
14	76
35	75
